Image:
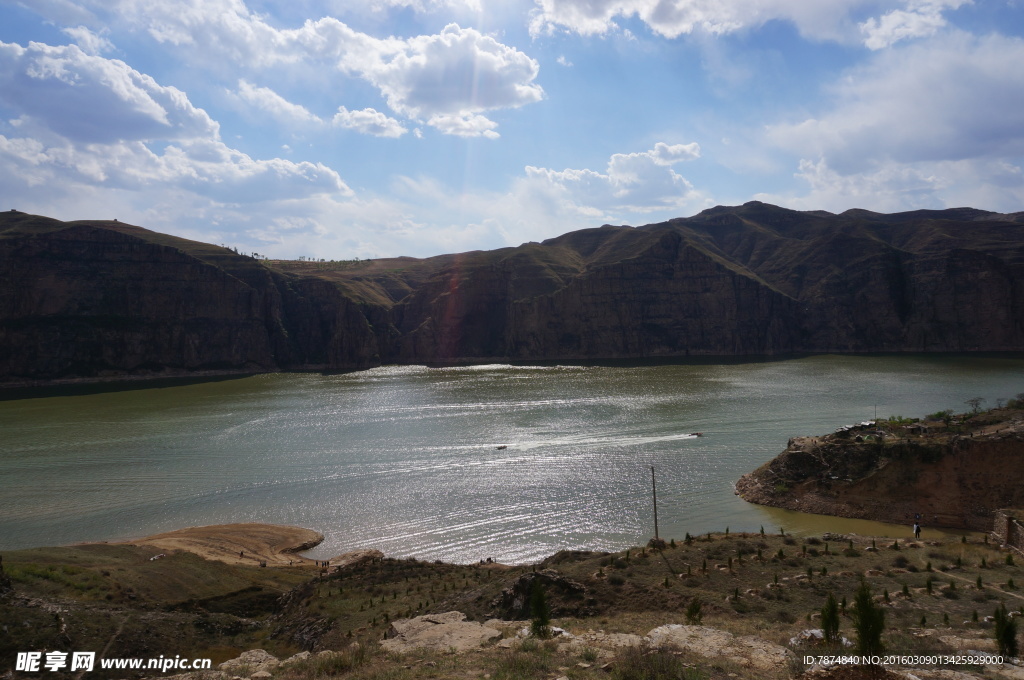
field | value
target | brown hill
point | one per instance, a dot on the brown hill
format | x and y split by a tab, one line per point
953	474
97	299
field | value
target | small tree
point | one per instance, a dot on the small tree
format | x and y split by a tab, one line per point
694	612
540	625
1006	632
868	622
975	403
830	620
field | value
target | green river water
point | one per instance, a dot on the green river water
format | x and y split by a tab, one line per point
405	459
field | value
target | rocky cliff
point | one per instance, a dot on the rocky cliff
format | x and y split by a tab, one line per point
890	473
95	299
104	299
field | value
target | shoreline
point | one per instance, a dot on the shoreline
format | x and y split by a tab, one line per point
275	545
21	388
251	544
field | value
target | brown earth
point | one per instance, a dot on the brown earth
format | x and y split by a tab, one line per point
248	544
953	479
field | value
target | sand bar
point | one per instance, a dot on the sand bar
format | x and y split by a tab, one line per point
249	544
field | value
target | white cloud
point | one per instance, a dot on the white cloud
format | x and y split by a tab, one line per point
90	99
635	182
89	121
932	124
427	5
368	122
818	19
91	43
282	110
892	187
952	98
663	154
458	72
464	125
921	19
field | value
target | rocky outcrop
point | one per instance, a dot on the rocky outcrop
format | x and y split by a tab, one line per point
437	632
744	650
94	300
953	480
565	596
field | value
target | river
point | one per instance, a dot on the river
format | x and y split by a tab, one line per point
407	459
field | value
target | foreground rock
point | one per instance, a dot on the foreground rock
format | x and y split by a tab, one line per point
251	662
439	632
747	651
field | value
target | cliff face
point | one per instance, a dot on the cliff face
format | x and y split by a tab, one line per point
105	300
956	481
87	299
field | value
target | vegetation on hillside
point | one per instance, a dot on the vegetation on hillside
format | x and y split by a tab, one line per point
180	604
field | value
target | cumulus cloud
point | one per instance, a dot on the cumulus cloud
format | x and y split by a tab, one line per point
459	73
369	122
892	187
90	99
820	19
951	99
93	121
921	19
464	125
635	182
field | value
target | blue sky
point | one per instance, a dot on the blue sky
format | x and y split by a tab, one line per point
349	128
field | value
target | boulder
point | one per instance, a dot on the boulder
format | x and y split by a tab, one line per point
254	661
748	651
439	632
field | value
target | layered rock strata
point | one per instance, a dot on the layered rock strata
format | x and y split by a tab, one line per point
98	299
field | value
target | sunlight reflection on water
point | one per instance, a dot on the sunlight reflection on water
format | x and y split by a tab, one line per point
405	459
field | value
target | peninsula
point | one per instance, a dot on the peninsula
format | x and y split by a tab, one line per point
945	470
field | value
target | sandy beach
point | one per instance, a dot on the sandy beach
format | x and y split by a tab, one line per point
249	544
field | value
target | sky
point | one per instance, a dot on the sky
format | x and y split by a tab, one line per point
342	129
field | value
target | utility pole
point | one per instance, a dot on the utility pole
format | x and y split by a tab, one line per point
654	491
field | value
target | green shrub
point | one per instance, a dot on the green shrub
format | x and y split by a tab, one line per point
694	612
1006	632
868	622
830	619
540	624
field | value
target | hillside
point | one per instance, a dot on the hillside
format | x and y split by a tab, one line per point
96	299
713	607
953	473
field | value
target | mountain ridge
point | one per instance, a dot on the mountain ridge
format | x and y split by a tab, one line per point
93	299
